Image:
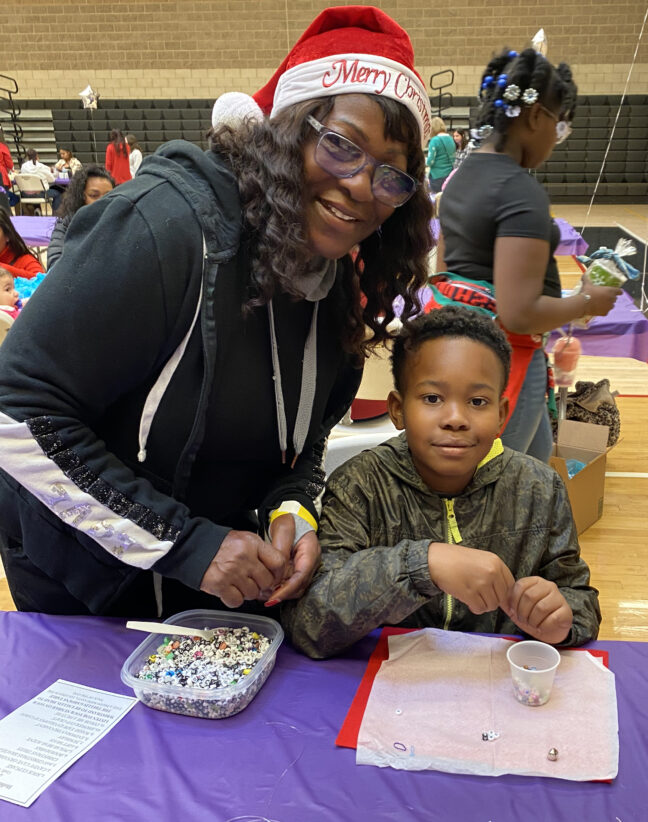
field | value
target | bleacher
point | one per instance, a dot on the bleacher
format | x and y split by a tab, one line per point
569	176
573	169
86	132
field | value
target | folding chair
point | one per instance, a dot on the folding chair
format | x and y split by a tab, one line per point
33	190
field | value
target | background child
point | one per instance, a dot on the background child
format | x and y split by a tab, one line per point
9	297
14	254
397	520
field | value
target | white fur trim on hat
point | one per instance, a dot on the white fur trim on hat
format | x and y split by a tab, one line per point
355	74
233	107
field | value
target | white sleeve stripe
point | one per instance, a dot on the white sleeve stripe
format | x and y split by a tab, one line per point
23	458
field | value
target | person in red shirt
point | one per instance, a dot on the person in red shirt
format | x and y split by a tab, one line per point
6	165
14	254
117	153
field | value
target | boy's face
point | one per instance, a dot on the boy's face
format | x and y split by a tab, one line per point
8	294
451	409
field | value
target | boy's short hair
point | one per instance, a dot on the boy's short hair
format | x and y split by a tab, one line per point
449	321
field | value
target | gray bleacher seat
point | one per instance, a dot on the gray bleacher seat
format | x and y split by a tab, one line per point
135	125
194	135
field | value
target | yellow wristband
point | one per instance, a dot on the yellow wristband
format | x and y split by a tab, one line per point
293	507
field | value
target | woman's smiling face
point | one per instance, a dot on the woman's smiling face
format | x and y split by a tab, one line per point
341	212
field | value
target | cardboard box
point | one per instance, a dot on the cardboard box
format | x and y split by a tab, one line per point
587	443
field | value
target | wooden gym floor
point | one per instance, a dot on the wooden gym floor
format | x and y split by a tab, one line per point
616	547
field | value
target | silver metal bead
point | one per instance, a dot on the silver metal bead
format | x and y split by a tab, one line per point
553	754
529	96
511	92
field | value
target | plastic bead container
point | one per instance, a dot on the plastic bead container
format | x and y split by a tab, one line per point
209	703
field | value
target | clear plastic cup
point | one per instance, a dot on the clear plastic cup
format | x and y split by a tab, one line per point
533	668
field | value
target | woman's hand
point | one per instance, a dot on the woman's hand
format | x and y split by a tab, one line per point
601	298
243	568
539	609
303	558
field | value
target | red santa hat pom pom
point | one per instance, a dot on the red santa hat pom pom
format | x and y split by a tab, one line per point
350	50
233	107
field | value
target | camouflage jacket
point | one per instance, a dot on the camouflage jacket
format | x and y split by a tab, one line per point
378	520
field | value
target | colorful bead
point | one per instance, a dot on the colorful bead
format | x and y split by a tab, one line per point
499	103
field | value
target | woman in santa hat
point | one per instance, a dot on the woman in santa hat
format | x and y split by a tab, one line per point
171	443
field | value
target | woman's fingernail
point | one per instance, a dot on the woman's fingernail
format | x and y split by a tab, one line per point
272	602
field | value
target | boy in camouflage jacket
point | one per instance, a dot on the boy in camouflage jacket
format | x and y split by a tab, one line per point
397	520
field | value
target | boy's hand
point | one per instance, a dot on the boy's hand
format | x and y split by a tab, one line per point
479	579
302	560
539	609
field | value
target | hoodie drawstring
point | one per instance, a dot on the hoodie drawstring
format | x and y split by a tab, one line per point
307	390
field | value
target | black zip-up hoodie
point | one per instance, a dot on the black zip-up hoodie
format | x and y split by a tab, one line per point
105	380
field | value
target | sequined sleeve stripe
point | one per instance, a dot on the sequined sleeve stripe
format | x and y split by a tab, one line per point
34	455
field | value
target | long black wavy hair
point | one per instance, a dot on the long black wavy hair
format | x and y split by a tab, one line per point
267	158
527	70
74	196
119	142
14	240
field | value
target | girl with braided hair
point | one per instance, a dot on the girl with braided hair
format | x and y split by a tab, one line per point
497	229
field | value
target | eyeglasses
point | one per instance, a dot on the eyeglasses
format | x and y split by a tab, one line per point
342	158
563	128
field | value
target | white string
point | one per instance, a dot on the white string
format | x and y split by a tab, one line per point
634	58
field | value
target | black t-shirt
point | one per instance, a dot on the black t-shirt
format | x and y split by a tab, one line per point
491	196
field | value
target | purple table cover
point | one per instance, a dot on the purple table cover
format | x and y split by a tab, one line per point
571	242
623	333
35	231
277	759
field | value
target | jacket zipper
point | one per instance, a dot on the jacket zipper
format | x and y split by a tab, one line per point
453	537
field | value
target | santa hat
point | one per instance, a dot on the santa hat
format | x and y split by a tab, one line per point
345	50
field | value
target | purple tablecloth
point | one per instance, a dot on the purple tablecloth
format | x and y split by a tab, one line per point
623	333
35	231
277	758
571	241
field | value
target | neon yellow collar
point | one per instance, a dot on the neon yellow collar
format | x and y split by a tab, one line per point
496	449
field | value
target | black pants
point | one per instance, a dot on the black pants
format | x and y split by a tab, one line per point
435	185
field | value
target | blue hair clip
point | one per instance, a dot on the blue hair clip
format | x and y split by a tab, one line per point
512	54
501	80
499	103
